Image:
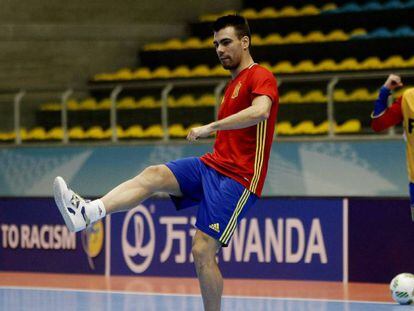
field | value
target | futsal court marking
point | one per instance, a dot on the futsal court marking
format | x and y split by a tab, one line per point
90	291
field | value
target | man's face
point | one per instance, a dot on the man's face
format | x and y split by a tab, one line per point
228	47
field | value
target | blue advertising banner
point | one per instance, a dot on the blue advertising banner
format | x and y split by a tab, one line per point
381	239
279	239
34	238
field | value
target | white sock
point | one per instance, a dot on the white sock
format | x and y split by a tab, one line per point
95	210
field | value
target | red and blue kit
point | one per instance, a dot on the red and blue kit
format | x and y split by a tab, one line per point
243	154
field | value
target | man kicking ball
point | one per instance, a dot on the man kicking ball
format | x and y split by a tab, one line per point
223	184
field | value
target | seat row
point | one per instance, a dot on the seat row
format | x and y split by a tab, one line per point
309	128
271	12
208	100
270	39
282	67
146	102
306	127
291	38
352	7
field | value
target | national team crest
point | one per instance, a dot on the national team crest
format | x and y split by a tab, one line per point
236	90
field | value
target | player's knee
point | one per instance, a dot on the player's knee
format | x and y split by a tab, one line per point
201	252
151	177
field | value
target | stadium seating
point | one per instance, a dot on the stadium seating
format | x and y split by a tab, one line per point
291	39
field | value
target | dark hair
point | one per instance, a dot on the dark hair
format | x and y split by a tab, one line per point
237	21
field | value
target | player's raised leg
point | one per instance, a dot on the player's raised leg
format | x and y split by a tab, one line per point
79	213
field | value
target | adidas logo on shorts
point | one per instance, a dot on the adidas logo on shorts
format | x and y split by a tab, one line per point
215	227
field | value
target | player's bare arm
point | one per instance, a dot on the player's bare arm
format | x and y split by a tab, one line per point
256	113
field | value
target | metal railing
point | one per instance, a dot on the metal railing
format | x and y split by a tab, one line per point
166	87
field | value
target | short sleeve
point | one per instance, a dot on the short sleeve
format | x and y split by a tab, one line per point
264	83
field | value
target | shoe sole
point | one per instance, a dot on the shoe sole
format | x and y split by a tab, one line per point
59	186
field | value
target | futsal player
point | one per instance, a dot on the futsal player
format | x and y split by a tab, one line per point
401	110
223	184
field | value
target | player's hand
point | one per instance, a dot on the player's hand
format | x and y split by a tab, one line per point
393	82
199	132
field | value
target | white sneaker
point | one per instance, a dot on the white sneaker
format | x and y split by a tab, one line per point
71	206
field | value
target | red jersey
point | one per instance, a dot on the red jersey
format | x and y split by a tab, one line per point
243	154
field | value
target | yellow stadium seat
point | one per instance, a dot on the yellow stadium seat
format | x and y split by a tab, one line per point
250	13
309	9
273	38
304	128
192	43
200	71
219	71
7	136
395	61
207	100
284	128
337	35
123	74
148	102
360	94
72	104
154	131
134	131
305	66
293	37
55	133
371	63
162	72
358	32
257	40
186	100
88	104
340	96
329	6
142	73
268	12
326	65
76	133
348	64
315	36
207	43
173	44
350	126
410	62
107	134
291	97
321	128
177	130
315	96
104	104
126	103
288	11
283	67
37	133
95	132
181	72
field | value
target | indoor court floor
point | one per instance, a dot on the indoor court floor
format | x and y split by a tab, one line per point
35	291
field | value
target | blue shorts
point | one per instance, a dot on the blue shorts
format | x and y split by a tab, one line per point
221	201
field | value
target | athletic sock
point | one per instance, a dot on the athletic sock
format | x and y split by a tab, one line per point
95	210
